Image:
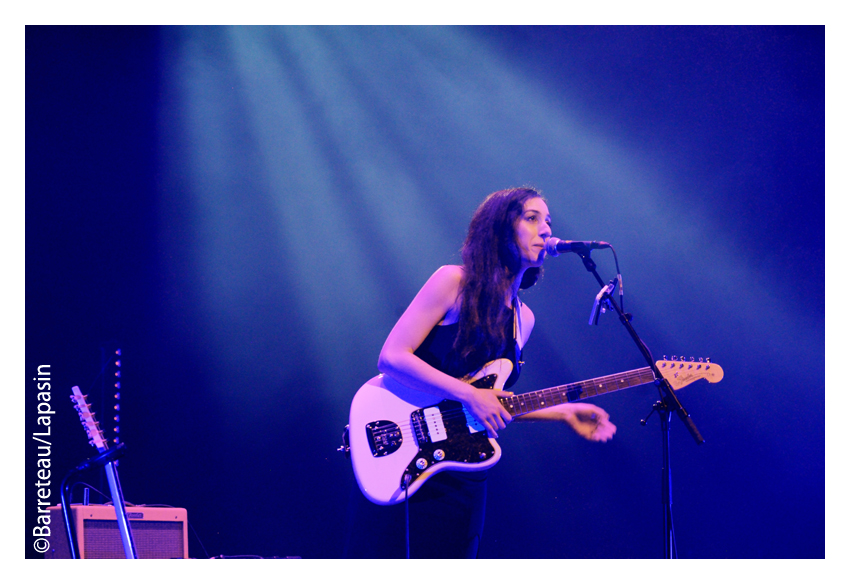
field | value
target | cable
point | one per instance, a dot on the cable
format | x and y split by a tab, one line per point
407	513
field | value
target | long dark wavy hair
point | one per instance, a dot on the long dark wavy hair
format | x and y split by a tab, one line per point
491	261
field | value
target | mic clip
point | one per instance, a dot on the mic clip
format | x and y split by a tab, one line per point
602	303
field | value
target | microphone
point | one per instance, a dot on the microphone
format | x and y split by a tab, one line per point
555	246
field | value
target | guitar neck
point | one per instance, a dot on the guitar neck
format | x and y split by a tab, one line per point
525	403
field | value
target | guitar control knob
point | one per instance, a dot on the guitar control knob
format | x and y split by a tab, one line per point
421	464
439	455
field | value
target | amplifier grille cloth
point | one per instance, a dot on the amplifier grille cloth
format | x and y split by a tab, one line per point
152	539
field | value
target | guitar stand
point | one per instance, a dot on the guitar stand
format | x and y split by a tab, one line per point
668	404
107	460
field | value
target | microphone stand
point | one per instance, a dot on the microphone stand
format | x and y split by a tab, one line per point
668	404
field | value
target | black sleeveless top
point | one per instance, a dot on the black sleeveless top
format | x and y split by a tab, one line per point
437	347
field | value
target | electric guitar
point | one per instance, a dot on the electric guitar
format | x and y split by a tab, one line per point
91	425
96	439
399	437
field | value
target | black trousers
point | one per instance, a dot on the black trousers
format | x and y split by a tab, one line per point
446	520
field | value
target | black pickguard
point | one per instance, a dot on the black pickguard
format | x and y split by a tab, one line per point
460	445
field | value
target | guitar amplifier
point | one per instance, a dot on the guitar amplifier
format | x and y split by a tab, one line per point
158	532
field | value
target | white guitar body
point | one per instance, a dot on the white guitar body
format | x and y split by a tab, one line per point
396	433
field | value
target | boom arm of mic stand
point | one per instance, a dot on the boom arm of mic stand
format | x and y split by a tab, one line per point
669	397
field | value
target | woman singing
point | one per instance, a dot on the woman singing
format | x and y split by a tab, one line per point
462	318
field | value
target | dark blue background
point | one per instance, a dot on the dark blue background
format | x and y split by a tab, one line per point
245	212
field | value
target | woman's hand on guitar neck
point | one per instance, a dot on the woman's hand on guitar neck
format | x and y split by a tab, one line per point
484	405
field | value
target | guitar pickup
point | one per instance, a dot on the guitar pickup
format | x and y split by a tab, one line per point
428	425
434	423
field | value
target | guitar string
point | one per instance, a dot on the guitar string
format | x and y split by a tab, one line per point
525	403
532	401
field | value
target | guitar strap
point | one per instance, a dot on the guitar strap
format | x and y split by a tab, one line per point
517	319
518	334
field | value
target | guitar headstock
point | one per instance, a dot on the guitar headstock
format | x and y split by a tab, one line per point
91	425
681	373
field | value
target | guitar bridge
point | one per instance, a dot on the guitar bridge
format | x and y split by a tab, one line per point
384	437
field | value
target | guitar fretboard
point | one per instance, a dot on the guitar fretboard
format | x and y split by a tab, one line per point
525	403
